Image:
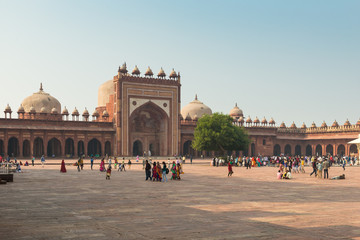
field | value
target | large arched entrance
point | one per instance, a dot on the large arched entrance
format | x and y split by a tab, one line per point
38	149
94	148
287	150
308	150
150	125
297	150
26	148
341	150
137	148
69	147
187	149
353	149
54	148
277	150
330	149
318	150
81	148
107	148
13	147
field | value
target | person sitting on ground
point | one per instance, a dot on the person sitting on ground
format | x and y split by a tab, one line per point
278	175
287	174
342	176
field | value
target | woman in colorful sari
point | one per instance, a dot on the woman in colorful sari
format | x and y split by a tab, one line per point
154	172
173	171
178	171
159	171
102	166
63	168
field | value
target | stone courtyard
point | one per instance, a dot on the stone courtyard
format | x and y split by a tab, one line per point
42	203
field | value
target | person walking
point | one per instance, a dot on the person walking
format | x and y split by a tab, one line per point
230	171
165	171
320	168
63	168
314	168
42	160
33	161
326	167
147	170
91	163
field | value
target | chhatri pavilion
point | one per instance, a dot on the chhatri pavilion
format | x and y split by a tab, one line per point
138	114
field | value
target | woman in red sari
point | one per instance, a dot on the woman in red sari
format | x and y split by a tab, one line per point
154	172
230	170
63	168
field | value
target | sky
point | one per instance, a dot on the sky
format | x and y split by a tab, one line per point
291	60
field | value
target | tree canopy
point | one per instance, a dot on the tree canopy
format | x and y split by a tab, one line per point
217	133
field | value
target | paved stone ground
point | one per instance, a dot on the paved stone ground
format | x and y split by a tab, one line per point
42	203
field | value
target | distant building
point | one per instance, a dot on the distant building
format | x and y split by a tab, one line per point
139	115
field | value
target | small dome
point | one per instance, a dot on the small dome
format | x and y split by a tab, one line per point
136	71
195	118
195	107
21	109
85	113
347	123
8	109
256	120
54	111
65	111
188	117
105	113
173	74
264	121
181	117
272	121
313	125
95	113
75	112
236	112
282	125
303	126
358	123
248	120
43	110
32	109
41	99
161	73
335	124
123	69
324	125
148	72
241	119
293	126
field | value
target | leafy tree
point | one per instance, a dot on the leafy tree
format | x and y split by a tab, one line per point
217	133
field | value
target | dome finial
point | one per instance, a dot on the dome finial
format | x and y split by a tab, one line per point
41	88
196	97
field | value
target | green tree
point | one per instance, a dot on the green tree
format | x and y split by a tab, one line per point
217	133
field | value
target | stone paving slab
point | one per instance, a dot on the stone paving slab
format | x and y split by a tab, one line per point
43	203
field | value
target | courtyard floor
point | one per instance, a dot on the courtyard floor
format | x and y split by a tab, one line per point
43	203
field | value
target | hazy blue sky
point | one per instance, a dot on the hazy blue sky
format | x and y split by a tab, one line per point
290	60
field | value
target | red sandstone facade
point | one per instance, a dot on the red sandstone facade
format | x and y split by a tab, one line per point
137	115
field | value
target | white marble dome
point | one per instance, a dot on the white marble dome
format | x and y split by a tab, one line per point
41	102
195	108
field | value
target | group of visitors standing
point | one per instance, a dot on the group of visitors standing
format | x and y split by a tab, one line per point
158	172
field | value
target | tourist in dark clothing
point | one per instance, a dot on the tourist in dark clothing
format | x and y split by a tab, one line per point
148	170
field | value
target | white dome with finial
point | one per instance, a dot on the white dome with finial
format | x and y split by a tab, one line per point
195	107
41	100
236	112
